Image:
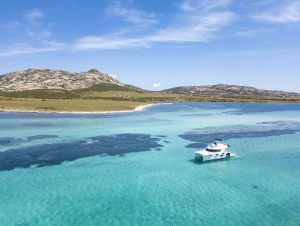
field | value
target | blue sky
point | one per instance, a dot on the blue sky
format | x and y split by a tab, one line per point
157	44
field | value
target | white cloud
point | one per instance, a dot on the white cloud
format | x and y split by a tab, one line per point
156	85
261	3
195	28
203	5
44	34
22	49
289	13
134	16
26	50
106	42
41	33
12	25
113	76
34	39
197	25
195	21
34	15
250	33
254	52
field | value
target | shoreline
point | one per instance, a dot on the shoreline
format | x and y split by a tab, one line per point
136	109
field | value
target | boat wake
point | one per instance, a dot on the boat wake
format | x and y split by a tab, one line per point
233	155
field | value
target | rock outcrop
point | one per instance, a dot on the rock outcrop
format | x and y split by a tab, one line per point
32	79
229	91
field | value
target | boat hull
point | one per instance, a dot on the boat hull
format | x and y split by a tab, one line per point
211	157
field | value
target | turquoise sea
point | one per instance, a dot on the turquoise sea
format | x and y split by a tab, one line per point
138	168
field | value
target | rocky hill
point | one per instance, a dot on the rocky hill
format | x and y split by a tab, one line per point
230	91
93	80
33	79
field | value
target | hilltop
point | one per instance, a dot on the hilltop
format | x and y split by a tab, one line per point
34	79
230	91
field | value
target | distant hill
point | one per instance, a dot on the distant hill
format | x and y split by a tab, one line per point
230	91
48	83
41	79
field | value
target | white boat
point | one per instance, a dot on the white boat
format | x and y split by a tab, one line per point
213	151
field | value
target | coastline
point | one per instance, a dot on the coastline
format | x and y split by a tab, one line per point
136	109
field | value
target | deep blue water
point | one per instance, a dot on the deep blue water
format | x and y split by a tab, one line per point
138	169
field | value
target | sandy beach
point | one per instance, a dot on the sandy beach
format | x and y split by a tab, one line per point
136	109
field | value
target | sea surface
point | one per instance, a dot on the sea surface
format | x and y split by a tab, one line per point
138	168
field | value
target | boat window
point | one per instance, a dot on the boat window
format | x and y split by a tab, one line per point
213	150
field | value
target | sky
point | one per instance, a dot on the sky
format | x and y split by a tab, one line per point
157	44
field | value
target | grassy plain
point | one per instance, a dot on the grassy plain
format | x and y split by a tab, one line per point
107	98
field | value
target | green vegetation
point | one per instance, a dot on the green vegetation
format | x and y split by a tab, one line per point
108	97
107	87
34	104
42	94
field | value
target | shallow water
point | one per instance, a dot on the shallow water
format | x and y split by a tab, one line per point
138	169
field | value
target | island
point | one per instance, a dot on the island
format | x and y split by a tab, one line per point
45	90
